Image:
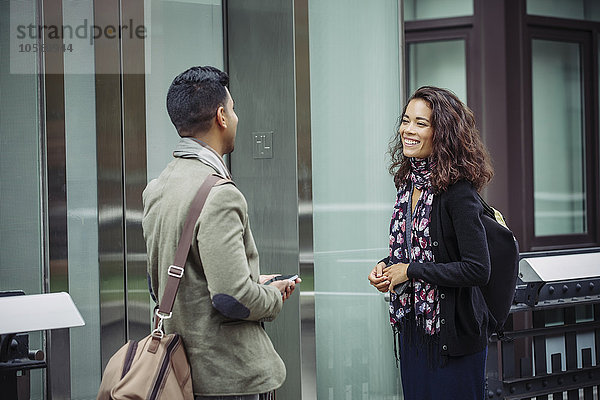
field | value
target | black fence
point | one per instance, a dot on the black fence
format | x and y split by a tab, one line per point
551	347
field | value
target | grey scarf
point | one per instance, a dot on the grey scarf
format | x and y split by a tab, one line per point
194	148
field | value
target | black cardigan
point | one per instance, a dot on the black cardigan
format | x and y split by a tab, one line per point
462	263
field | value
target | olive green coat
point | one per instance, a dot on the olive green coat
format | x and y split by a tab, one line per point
229	351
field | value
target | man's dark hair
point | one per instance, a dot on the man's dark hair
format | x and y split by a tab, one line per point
194	97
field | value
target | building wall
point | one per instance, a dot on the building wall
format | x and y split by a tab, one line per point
324	81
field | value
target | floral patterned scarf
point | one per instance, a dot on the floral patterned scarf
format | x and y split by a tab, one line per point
410	242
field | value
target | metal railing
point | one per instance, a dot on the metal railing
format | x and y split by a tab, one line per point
551	346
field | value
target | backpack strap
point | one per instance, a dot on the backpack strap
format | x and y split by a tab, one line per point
175	271
492	212
489	210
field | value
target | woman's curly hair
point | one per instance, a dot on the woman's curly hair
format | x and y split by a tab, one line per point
458	152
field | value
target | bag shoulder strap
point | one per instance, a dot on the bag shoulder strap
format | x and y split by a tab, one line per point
175	271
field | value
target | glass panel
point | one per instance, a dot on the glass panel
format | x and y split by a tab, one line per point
555	317
429	9
572	9
424	66
21	266
184	34
556	343
558	139
585	313
82	216
355	101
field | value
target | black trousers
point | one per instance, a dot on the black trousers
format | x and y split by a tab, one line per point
424	378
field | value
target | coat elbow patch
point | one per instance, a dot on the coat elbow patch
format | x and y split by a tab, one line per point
230	307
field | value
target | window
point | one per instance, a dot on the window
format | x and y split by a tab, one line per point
572	9
526	70
423	68
558	138
438	53
430	9
561	162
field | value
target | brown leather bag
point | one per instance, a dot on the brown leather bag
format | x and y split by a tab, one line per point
157	367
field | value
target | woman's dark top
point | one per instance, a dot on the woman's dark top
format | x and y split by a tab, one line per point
462	264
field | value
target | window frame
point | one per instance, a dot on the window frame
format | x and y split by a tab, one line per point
499	93
538	29
445	29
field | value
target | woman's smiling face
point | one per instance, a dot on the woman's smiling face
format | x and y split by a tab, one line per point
416	130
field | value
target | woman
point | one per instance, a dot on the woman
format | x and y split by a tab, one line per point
438	251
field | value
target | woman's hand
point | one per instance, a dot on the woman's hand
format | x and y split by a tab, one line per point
377	278
395	274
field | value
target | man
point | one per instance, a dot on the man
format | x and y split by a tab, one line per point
222	301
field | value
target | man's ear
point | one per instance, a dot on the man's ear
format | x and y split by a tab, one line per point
221	120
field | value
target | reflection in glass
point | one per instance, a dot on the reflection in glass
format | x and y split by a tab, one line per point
558	139
21	266
355	101
572	9
425	68
184	34
430	9
82	205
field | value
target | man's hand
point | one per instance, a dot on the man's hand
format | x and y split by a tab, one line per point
285	286
395	274
379	280
263	278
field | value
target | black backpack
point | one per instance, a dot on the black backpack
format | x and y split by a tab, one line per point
499	292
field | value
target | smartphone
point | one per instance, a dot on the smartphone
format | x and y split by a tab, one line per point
291	278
